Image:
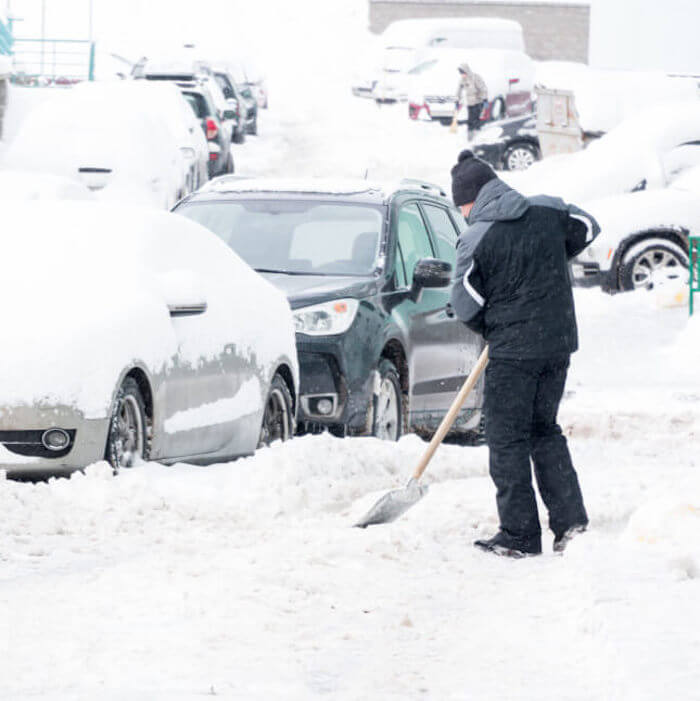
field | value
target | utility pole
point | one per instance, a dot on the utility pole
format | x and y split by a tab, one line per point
43	33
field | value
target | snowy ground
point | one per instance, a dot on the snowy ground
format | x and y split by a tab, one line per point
246	581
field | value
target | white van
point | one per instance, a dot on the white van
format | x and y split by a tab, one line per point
406	43
509	75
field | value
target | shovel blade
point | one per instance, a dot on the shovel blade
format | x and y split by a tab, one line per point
393	504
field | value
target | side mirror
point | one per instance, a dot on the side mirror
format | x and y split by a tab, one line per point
430	273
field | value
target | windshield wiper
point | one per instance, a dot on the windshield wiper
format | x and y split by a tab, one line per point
284	272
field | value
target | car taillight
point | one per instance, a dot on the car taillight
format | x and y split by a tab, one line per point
213	156
212	128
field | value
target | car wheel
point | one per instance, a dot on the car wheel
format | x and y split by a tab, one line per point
278	417
388	405
651	263
254	128
239	136
520	156
128	442
230	165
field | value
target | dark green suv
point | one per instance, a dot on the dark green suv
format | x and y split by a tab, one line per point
367	270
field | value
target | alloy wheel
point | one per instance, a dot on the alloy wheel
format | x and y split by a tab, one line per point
520	158
656	267
387	412
129	439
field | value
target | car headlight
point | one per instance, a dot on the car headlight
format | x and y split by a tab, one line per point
326	319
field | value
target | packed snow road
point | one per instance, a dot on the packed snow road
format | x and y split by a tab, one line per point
245	580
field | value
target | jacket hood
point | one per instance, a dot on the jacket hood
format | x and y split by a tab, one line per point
497	201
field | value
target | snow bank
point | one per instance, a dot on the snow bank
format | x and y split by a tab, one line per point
620	160
604	98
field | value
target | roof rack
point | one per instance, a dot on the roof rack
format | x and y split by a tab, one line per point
424	185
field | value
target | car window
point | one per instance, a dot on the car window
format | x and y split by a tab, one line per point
444	232
413	239
197	103
296	236
459	220
225	85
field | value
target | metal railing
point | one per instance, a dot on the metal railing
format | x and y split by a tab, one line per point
5	39
694	269
53	61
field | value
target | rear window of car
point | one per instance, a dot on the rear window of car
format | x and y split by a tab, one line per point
197	103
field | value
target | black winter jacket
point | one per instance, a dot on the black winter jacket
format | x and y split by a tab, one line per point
513	282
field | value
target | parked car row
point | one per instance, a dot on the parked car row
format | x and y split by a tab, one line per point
151	139
351	332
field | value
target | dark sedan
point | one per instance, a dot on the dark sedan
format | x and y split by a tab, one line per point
510	144
367	272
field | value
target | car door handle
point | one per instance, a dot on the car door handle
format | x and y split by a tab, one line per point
450	310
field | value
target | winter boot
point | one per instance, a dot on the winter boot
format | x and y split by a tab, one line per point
508	546
562	540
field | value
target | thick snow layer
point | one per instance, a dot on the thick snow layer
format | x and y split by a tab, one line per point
94	303
85	129
604	98
18	185
640	148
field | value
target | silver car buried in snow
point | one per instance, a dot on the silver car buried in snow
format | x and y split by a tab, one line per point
133	334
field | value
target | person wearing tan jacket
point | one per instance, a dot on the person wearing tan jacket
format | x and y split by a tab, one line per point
471	92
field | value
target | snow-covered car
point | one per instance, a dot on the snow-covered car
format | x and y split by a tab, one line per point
135	334
407	43
431	86
17	185
644	237
643	152
119	151
165	100
509	144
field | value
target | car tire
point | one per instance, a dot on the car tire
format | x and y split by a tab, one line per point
388	414
651	262
128	440
278	414
239	136
520	156
230	165
254	128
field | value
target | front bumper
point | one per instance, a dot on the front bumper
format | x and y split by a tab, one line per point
334	369
589	274
21	450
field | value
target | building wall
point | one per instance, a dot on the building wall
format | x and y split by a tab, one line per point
553	31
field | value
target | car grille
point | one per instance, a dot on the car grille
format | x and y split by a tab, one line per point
28	443
439	99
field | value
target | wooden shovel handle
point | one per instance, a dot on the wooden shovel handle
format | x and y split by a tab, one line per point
451	415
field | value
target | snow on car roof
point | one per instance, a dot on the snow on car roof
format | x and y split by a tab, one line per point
318	186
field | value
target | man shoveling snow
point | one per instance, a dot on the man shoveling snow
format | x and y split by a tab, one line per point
513	287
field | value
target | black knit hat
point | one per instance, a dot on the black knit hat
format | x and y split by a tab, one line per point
469	175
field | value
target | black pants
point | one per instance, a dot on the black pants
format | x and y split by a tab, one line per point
520	406
473	114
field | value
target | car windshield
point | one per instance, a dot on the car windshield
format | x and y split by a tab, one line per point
296	237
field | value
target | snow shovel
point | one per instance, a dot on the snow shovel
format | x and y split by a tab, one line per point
454	125
395	503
